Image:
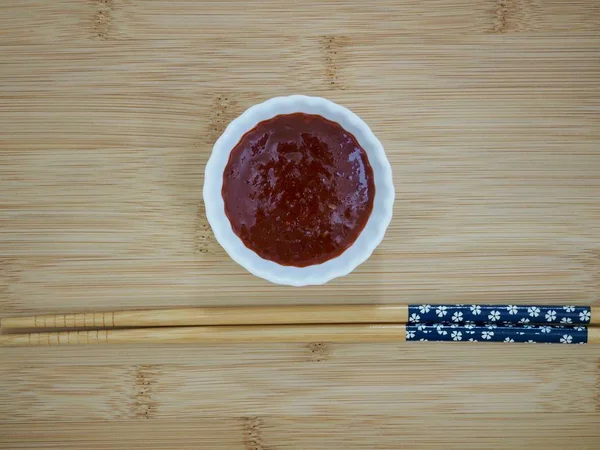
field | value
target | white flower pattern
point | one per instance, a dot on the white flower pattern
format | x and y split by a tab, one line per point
512	309
566	339
494	315
441	311
456	336
507	314
499	323
475	310
424	309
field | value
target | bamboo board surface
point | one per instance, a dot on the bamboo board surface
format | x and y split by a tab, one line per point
489	113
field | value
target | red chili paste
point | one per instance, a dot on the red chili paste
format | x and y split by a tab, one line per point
298	189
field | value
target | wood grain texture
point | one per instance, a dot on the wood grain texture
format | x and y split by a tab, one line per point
489	113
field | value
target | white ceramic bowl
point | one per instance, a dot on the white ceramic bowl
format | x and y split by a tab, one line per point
368	239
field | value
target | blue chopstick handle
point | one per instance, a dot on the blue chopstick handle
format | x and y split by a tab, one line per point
492	333
507	314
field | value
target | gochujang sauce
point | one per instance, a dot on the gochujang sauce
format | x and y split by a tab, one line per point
298	189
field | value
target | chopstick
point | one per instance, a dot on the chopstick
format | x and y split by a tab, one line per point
234	315
313	314
311	333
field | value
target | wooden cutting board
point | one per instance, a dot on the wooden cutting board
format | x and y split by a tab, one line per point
490	114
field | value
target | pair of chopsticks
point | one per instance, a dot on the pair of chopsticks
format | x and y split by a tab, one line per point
306	323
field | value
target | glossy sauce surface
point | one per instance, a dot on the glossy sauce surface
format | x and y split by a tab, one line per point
298	189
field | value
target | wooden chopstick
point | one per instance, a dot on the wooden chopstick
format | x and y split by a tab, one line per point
310	333
235	315
312	314
213	334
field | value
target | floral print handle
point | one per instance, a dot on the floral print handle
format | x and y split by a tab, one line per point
494	333
499	314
